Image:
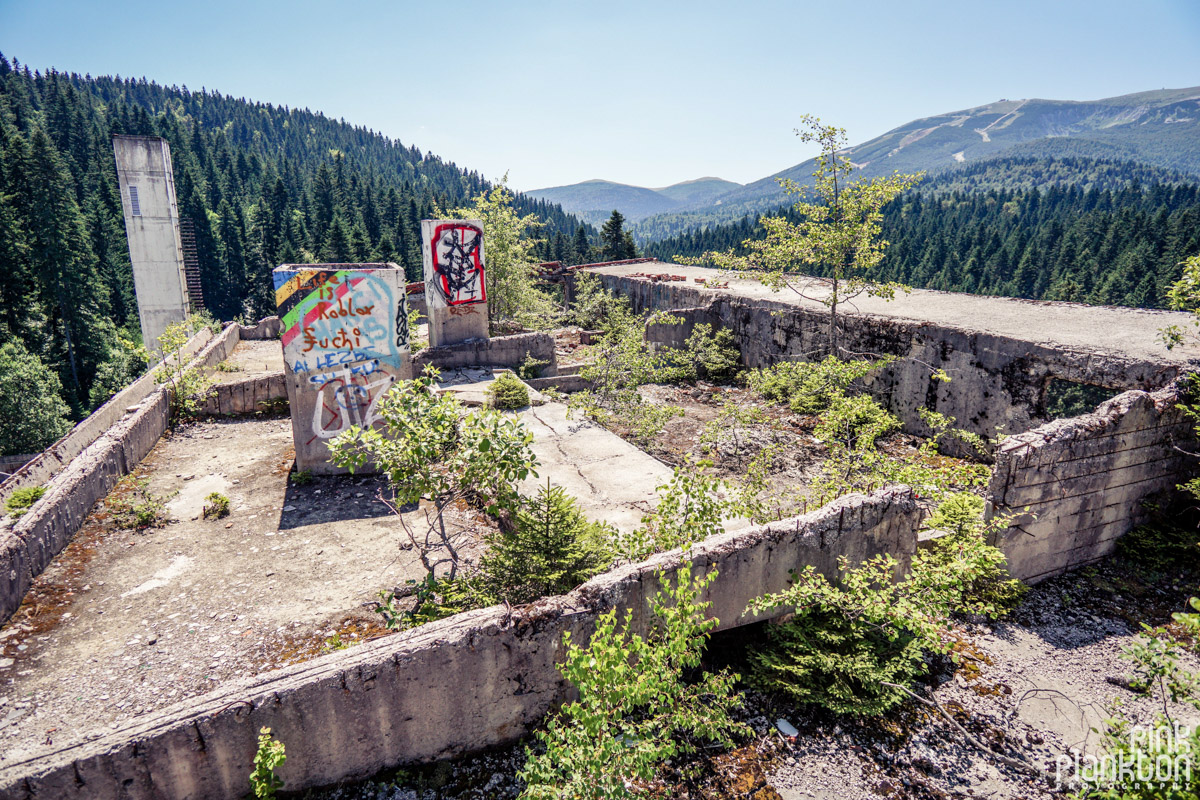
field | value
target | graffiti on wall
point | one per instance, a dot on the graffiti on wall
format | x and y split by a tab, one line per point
454	265
346	397
345	337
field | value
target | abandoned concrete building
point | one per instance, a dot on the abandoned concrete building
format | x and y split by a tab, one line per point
148	664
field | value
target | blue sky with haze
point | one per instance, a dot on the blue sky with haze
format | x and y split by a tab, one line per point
636	92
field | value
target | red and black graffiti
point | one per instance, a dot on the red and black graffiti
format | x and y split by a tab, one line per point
458	263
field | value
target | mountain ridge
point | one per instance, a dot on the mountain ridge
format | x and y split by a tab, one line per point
594	200
1158	128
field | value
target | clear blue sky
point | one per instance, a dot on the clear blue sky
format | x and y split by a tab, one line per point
638	92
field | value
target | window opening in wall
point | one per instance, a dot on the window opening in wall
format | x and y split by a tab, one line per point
134	205
1071	399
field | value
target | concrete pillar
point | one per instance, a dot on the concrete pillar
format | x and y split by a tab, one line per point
345	342
152	228
455	284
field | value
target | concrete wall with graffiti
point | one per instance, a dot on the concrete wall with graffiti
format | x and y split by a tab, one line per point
345	342
455	280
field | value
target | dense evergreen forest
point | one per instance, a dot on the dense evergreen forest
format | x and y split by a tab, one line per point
262	184
1091	231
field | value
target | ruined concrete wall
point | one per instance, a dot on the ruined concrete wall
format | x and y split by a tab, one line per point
345	343
1077	485
27	546
56	457
267	328
247	396
10	464
997	383
499	351
473	681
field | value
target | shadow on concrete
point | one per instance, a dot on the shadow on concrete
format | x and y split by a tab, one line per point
334	498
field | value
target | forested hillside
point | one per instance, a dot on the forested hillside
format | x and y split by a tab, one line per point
263	185
1114	241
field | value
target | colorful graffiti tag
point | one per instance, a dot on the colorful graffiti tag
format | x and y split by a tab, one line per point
454	265
345	342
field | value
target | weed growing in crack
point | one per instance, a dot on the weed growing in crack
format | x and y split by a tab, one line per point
135	506
270	756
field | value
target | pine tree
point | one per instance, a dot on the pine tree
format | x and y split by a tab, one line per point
550	549
581	249
74	298
612	238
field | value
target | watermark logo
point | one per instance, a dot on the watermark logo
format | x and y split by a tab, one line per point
1160	756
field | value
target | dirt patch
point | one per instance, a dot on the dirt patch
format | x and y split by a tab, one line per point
125	621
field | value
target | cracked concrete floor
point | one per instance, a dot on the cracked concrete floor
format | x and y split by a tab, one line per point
613	480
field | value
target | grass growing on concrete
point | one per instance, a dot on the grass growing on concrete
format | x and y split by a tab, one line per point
23	499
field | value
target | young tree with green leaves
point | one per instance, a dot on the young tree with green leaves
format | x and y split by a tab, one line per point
433	452
837	235
512	291
638	705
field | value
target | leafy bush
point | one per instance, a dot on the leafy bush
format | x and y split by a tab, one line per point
507	392
854	423
302	477
216	506
32	413
635	708
21	500
622	362
851	428
550	549
713	352
592	304
822	657
270	755
960	515
690	508
808	387
190	388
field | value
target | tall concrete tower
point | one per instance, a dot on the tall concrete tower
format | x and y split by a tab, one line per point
152	227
